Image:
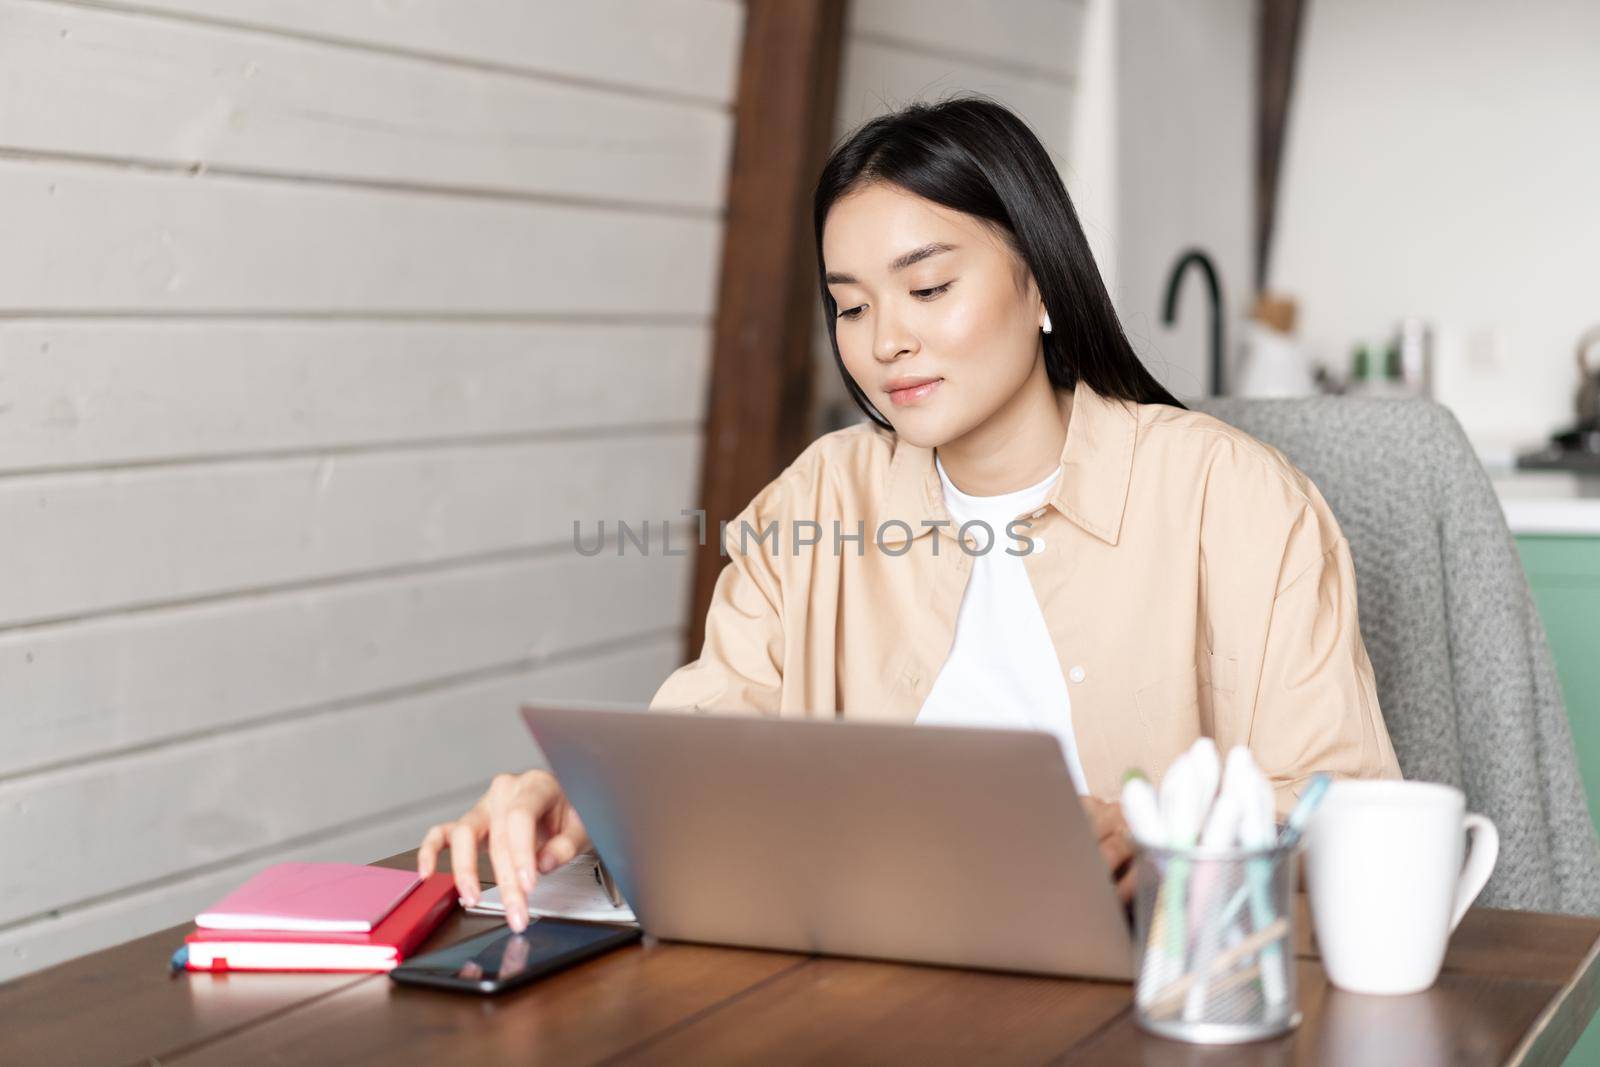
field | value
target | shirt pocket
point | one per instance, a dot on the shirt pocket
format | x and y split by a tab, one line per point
1224	672
1217	693
1169	718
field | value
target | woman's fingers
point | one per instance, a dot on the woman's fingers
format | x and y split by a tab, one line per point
1102	815
497	803
1125	885
432	842
1117	850
1118	843
520	834
464	859
556	851
568	839
551	823
1115	842
519	805
1105	818
504	819
505	874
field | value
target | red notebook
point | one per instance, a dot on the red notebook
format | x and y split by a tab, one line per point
290	950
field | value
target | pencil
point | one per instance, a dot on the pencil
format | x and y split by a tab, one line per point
1175	992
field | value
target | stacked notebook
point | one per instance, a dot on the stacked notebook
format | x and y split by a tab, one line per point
320	917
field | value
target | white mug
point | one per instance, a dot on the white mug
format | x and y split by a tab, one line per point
1387	885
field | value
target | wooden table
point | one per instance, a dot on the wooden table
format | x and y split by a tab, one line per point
1517	987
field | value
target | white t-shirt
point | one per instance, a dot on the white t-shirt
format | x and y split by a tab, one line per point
1002	670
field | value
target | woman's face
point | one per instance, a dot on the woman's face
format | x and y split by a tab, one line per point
939	322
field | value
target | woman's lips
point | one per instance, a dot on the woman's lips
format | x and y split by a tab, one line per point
913	394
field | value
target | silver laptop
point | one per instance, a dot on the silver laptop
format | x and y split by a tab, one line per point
931	844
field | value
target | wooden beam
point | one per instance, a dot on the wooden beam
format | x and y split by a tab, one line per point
1278	41
757	417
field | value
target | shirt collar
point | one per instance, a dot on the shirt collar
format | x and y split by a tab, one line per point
1096	466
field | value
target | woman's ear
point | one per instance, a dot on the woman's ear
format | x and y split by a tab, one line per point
1036	297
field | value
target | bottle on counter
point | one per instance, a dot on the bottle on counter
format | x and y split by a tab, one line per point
1360	380
1274	363
1414	338
1398	367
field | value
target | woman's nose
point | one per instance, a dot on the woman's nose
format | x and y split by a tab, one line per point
891	341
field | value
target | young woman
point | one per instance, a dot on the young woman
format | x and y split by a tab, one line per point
1028	531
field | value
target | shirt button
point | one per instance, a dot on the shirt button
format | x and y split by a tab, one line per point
1076	674
1039	514
1038	544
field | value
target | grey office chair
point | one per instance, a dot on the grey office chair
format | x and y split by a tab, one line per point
1465	677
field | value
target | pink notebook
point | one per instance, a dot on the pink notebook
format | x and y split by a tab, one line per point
312	896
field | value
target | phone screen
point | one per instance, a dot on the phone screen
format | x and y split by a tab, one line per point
501	959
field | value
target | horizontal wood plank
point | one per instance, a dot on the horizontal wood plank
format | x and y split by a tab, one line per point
80	237
80	543
48	941
98	829
91	82
126	681
1043	38
79	393
687	47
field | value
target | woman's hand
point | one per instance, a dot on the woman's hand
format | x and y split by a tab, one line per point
507	816
1115	840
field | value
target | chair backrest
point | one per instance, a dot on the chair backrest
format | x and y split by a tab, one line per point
1464	673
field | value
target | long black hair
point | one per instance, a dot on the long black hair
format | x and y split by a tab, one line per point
976	156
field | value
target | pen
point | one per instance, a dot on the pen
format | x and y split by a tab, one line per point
1256	831
1142	811
1261	940
1220	831
603	876
1184	796
1300	815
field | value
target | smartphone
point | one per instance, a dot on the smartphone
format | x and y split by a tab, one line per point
501	959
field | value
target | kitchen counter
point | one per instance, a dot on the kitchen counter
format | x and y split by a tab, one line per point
1548	502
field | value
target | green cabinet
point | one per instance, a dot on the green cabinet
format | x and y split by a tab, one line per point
1564	572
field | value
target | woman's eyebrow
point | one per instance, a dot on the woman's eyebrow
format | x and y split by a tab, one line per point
898	263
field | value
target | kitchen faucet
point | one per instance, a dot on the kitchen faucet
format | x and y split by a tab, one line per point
1170	315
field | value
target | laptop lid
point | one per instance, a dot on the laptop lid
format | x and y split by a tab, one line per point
951	845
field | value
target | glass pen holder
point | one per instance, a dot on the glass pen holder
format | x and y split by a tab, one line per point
1214	930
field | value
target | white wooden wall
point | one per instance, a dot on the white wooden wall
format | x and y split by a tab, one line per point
1023	53
320	322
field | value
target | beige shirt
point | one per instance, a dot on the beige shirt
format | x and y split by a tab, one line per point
1193	580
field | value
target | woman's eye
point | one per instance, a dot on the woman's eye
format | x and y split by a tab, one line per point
920	294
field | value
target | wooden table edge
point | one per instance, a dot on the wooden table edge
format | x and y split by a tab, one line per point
1541	1029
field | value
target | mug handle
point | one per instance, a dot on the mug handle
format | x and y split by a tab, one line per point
1480	864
